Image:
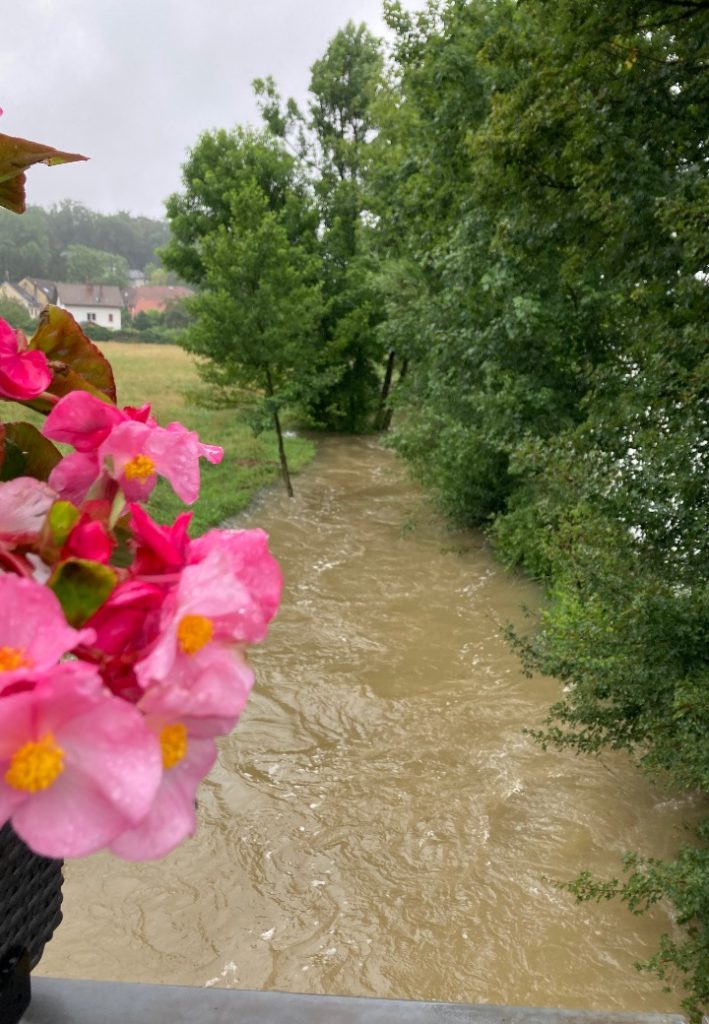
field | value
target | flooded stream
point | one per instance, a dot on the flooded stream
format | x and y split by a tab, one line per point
379	824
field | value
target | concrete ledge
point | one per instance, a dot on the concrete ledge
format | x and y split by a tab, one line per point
60	1001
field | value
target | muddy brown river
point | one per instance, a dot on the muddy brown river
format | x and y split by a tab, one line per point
379	824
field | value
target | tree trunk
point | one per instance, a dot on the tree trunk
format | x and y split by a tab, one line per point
386	419
282	456
381	417
279	434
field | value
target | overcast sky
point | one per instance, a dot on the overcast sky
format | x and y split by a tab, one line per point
132	83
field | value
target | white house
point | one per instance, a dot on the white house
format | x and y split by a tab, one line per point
25	298
92	303
88	303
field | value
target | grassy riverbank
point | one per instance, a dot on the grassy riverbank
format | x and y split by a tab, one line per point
165	376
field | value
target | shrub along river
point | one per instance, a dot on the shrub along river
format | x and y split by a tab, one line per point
379	824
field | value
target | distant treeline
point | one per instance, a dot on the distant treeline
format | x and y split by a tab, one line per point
53	243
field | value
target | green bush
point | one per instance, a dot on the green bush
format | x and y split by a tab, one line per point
97	332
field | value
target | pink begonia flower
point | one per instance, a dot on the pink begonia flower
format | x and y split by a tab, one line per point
85	421
79	473
188	753
77	766
249	561
129	618
137	454
124	626
23	374
125	446
24	504
158	549
212	604
212	686
89	539
34	634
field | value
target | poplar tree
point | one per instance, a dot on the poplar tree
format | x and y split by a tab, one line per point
332	140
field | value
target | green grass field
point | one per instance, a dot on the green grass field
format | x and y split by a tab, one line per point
165	376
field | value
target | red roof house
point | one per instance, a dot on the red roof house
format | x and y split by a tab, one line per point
155	296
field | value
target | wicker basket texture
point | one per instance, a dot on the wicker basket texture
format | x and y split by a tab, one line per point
30	897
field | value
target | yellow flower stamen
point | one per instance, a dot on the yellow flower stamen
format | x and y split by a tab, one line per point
193	632
35	765
173	743
12	658
140	467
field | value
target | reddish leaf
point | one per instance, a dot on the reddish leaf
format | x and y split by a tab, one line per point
16	155
78	364
25	452
12	193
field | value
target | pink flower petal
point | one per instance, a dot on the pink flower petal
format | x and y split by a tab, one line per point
111	763
111	745
82	420
8	339
211	686
10	799
75	475
24	504
213	453
128	620
33	624
210	588
172	817
159	548
249	561
89	539
24	376
70	819
16	721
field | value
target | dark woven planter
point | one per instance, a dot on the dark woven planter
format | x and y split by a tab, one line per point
30	910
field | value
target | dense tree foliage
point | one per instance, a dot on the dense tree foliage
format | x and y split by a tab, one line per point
16	315
333	142
83	263
244	230
541	183
507	228
39	243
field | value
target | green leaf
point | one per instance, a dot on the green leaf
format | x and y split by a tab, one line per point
78	364
24	452
82	587
62	518
16	155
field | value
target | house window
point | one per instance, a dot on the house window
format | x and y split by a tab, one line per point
110	318
91	317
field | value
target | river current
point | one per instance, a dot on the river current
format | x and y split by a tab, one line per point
379	824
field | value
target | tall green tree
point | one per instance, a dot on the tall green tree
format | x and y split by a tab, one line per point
244	231
24	245
84	264
332	140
